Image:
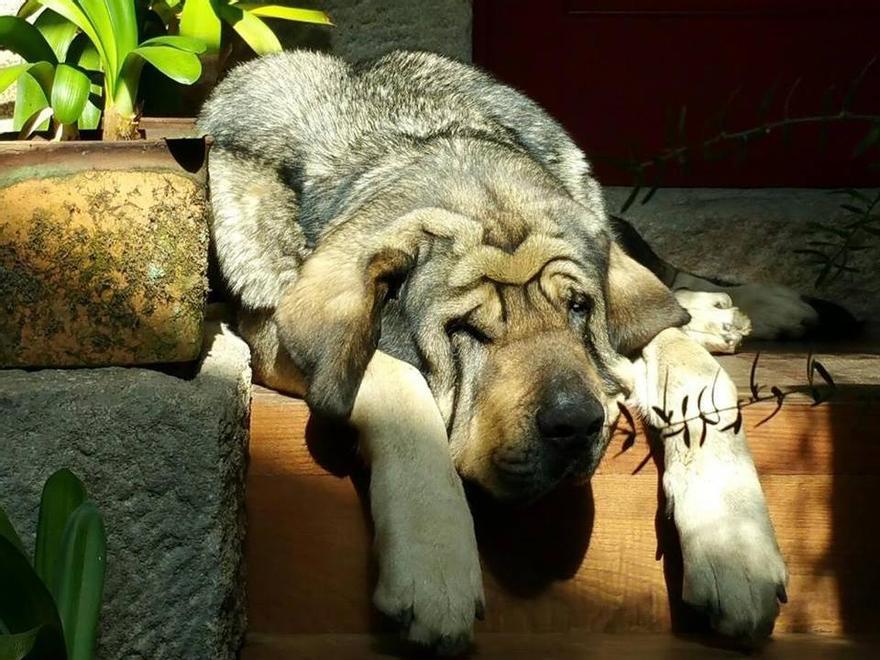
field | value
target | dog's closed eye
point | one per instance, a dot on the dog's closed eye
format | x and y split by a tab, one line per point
580	304
466	328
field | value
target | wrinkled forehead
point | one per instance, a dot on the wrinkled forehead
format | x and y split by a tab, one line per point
470	270
539	255
516	250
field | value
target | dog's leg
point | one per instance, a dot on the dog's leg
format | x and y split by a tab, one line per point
774	311
732	566
723	313
429	568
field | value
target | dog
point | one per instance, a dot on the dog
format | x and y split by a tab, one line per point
421	250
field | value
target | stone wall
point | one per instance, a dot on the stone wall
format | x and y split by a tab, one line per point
751	236
164	459
365	28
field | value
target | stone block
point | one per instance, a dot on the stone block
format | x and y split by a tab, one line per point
164	459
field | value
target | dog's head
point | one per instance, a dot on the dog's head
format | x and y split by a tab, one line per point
519	316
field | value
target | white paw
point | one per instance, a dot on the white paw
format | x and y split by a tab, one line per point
774	310
733	572
715	323
429	568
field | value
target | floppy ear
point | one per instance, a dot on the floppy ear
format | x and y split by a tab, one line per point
329	321
639	305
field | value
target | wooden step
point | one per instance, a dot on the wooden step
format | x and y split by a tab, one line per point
583	559
559	646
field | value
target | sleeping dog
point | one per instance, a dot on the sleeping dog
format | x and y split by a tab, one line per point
421	250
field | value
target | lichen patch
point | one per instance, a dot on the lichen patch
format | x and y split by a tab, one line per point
102	267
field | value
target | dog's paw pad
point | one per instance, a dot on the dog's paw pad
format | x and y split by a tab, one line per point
430	581
737	580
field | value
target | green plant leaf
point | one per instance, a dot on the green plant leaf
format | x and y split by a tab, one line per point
62	494
163	10
90	117
58	32
72	12
123	17
98	13
84	54
29	8
42	72
200	20
70	92
187	44
25	602
30	99
252	29
7	531
286	13
17	646
23	39
79	583
179	65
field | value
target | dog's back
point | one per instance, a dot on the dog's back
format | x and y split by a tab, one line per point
311	110
301	138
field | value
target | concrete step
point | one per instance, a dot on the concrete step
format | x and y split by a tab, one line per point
588	558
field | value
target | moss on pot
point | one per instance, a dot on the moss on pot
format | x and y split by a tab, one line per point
102	267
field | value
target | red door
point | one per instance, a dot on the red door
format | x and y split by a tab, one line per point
635	79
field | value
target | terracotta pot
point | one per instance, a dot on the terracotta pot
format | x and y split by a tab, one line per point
103	252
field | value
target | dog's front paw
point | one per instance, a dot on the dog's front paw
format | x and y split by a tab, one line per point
775	311
429	571
733	572
715	323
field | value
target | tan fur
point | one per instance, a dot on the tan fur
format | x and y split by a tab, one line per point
510	396
487	262
732	564
346	313
272	365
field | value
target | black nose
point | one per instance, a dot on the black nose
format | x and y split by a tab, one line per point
567	418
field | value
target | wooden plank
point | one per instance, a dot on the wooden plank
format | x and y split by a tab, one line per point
583	560
853	365
570	646
308	556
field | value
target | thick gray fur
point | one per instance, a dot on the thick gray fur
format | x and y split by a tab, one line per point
324	135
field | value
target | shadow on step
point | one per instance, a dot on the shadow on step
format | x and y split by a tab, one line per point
853	553
823	493
528	547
